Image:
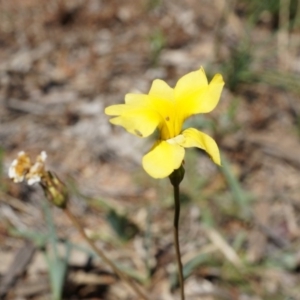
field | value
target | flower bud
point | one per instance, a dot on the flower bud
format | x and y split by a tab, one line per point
55	190
177	176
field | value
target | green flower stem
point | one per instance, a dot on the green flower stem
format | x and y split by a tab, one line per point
176	177
176	240
101	254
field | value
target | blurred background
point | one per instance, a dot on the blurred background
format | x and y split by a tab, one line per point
62	62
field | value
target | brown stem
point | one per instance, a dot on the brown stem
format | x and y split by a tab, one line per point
101	254
176	240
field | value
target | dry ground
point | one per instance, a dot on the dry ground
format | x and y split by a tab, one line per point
62	62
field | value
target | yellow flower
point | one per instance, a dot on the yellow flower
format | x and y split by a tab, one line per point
166	108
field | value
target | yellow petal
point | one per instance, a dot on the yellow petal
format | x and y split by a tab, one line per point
211	97
161	90
194	95
139	121
137	99
116	110
163	159
132	102
163	101
136	116
196	138
190	83
160	101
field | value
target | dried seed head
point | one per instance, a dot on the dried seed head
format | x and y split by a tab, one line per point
19	167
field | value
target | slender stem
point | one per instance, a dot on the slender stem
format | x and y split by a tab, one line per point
176	240
101	254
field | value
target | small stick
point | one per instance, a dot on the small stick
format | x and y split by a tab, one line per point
101	254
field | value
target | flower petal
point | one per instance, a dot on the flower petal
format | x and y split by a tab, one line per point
190	83
136	116
156	109
196	138
163	159
161	90
132	102
139	121
211	97
119	109
163	102
194	95
137	99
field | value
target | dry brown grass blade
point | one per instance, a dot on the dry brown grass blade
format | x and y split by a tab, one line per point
18	267
216	238
287	150
283	35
